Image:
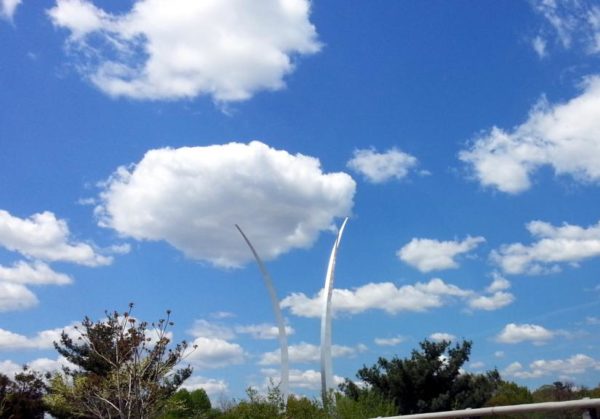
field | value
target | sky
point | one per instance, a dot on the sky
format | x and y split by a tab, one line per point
462	140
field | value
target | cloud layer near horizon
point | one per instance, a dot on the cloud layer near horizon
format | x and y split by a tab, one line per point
192	197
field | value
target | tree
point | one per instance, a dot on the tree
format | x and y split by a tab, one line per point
429	381
22	398
189	405
125	369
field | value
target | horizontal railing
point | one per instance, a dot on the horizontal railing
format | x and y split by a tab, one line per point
504	410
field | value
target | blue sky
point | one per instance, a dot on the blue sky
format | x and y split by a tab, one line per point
461	138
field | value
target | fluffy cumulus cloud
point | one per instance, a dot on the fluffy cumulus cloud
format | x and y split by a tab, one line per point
517	333
16	297
42	340
172	49
564	136
380	167
43	236
573	23
564	368
37	273
564	244
384	296
303	353
192	197
8	8
262	331
214	353
429	255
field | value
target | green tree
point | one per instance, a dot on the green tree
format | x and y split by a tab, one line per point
126	369
189	405
22	397
429	381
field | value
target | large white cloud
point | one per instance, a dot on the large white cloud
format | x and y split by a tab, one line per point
193	196
565	244
382	296
392	299
517	333
380	167
215	353
562	368
43	236
171	49
564	136
263	331
428	255
42	340
307	353
8	8
37	273
15	297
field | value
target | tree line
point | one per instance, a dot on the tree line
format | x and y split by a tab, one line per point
126	368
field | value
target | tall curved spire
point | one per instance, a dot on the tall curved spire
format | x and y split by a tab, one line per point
326	362
283	343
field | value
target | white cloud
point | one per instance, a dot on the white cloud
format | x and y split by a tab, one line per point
383	296
498	284
300	379
43	236
213	387
15	297
37	273
565	244
492	302
574	22
477	365
306	353
440	336
263	331
389	341
42	365
516	333
193	196
215	353
592	321
8	8
564	136
499	354
577	364
205	329
428	255
172	49
539	46
380	167
42	340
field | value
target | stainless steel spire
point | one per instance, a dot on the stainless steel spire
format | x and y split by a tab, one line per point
326	363
283	343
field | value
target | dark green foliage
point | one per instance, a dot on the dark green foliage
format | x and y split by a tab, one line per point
22	398
189	405
429	381
125	369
